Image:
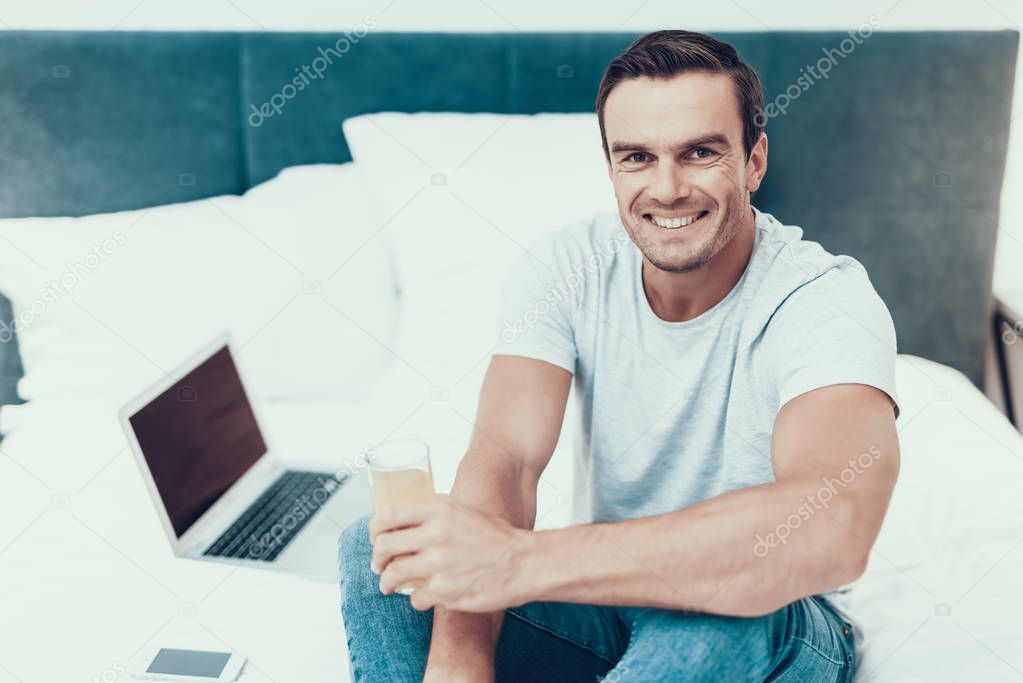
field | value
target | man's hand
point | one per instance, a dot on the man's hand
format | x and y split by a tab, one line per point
460	558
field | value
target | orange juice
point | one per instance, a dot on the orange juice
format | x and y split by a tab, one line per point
401	486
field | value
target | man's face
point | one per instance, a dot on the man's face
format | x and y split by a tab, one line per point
678	166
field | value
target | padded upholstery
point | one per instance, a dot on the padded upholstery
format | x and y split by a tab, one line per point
896	158
864	156
398	72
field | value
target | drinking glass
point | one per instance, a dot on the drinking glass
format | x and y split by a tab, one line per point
399	472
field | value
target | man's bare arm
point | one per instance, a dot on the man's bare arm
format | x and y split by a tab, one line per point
521	409
751	551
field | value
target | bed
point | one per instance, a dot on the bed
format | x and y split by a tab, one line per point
939	601
114	123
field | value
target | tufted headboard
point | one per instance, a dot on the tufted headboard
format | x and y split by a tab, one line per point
896	157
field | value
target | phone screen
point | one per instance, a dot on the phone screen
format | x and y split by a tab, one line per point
189	663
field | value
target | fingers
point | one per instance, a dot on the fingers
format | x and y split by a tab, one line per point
403	571
400	572
399	515
422	600
390	544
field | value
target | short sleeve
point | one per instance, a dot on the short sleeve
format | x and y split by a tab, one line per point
537	308
834	329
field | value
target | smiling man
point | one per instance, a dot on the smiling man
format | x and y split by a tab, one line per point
738	447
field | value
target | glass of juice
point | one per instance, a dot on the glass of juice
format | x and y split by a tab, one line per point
399	472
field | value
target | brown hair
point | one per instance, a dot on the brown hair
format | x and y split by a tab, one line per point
663	54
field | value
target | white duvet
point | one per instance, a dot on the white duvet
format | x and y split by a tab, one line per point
940	600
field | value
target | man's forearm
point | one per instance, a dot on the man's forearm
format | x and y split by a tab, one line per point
491	483
706	557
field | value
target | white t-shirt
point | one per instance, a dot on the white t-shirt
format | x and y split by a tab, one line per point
676	412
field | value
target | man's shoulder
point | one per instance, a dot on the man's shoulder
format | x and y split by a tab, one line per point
820	321
789	262
800	274
788	257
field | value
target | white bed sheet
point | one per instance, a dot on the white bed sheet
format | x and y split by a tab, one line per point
940	600
91	570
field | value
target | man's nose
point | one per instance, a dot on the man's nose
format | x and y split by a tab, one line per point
671	182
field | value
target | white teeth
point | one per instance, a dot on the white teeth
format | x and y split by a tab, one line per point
675	222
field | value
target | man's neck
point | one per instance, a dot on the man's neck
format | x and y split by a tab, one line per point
677	297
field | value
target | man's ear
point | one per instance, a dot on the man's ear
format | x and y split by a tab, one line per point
756	165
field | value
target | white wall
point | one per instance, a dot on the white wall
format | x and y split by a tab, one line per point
568	15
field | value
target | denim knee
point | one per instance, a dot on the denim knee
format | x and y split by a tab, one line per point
388	640
354	553
706	647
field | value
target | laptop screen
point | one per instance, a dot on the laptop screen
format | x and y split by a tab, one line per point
199	437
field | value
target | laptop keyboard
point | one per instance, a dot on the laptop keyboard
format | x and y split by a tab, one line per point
273	519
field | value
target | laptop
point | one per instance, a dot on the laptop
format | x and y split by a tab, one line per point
218	491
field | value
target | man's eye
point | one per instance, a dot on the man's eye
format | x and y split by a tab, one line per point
632	157
703	153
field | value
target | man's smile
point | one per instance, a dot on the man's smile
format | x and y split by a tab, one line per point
671	222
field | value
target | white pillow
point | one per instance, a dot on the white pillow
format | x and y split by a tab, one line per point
465	194
105	304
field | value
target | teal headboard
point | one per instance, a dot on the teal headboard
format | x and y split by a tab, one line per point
896	158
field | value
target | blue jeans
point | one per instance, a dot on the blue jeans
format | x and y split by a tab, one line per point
389	641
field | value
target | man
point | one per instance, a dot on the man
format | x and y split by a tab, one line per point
738	453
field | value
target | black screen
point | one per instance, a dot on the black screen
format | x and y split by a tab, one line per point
189	663
199	437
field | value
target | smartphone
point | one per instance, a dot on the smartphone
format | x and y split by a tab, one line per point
197	666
